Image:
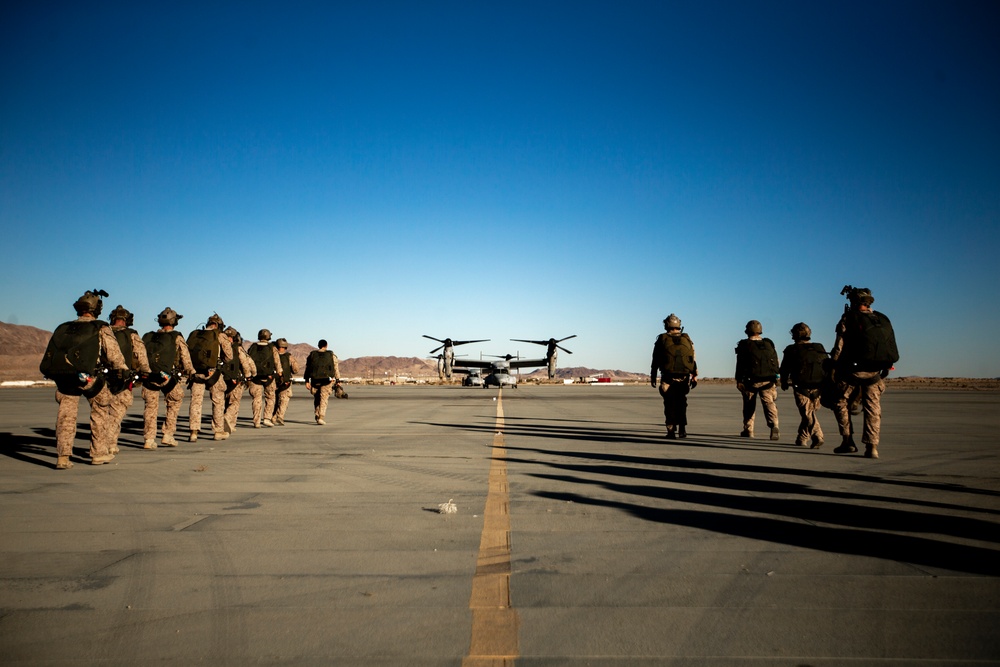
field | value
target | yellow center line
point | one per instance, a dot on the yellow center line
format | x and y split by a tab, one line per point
494	621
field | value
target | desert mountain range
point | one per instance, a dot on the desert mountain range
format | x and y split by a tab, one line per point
22	347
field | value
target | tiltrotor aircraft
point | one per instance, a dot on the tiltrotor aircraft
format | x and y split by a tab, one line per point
551	352
447	357
499	371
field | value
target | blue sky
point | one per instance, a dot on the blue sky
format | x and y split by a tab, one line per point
372	172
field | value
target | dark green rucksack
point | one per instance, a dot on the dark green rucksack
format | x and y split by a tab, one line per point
205	349
263	358
161	350
74	348
869	342
319	365
809	370
760	357
677	353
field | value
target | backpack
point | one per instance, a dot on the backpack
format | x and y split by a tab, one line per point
263	358
124	338
677	354
760	359
869	342
74	348
286	371
205	349
232	370
161	349
319	365
809	369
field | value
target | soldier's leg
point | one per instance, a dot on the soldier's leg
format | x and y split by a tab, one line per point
173	400
194	409
324	400
233	407
150	411
69	406
871	405
843	413
802	403
282	398
749	408
317	397
269	402
768	398
101	426
813	411
256	392
218	396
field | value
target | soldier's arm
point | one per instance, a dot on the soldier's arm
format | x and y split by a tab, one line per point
225	348
112	353
184	355
336	367
277	360
139	352
246	363
294	364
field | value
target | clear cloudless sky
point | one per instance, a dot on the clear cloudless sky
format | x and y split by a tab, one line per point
368	172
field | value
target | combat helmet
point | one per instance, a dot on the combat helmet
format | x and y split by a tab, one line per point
801	331
233	334
754	328
281	342
168	317
217	321
672	322
858	296
263	334
120	313
90	302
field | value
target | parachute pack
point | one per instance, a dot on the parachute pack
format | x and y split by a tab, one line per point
286	371
232	370
263	358
677	353
810	363
75	347
319	365
869	342
205	349
759	359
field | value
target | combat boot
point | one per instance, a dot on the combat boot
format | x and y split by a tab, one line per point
682	432
775	433
149	444
817	442
871	451
193	437
221	436
847	446
101	460
320	421
671	434
268	423
746	433
63	463
168	441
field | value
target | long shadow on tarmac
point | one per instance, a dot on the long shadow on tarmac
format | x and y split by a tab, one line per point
855	523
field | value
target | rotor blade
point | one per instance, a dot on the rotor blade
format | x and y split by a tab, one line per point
564	349
435	349
466	342
536	342
433	338
566	338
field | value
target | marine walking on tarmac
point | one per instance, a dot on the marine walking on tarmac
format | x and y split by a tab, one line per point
322	371
804	367
674	362
262	383
756	375
169	362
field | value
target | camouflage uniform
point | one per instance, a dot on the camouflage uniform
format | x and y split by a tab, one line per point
217	393
751	387
234	395
806	397
321	394
172	398
101	419
284	393
122	401
868	384
262	392
673	385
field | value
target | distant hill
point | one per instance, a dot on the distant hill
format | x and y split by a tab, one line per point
21	350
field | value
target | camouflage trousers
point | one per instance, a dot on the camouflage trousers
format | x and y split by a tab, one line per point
172	399
233	398
871	406
768	392
217	393
262	396
807	401
321	398
101	423
120	403
674	394
281	403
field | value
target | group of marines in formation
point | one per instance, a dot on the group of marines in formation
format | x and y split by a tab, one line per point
848	380
101	361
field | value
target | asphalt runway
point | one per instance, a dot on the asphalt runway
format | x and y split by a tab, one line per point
581	536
